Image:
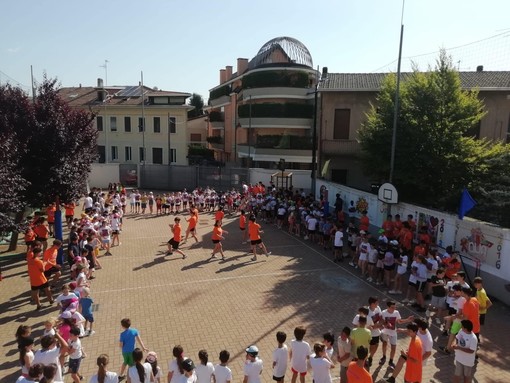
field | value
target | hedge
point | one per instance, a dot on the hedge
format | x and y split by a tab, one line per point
288	110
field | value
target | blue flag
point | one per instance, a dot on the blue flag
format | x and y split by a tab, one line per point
466	203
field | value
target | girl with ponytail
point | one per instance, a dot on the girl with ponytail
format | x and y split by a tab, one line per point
175	370
140	372
103	375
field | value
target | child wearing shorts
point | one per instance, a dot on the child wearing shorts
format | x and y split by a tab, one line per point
86	310
299	354
76	353
128	338
280	357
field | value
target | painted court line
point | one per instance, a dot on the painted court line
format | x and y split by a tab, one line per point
213	280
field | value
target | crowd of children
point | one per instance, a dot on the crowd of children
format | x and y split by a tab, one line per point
385	260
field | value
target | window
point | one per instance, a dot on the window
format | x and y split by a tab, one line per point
127	153
195	137
141	124
157	155
171	124
127	124
113	124
141	154
99	123
173	155
342	122
339	176
115	153
157	125
101	150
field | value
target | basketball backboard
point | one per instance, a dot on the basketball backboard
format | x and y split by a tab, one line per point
388	194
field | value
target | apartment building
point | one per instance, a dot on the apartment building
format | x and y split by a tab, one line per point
136	124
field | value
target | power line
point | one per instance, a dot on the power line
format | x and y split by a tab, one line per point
484	47
12	81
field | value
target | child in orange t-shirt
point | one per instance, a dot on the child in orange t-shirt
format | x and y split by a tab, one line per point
217	237
173	244
254	232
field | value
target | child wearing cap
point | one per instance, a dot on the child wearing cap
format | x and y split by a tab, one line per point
252	366
152	359
188	375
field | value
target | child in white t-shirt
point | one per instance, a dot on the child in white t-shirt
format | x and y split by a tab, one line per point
205	369
252	366
76	353
299	354
280	357
222	373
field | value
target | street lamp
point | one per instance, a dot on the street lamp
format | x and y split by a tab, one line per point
323	77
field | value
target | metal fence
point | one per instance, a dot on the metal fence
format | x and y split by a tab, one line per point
179	177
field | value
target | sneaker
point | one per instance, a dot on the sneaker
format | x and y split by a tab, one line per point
122	377
184	257
405	300
382	360
351	264
369	361
213	255
268	254
244	243
391	379
399	291
412	301
91	332
438	321
392	292
254	259
427	313
391	364
369	279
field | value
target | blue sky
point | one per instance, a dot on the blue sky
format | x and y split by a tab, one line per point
181	45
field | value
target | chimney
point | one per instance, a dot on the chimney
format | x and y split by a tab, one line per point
100	90
228	74
479	68
222	76
242	65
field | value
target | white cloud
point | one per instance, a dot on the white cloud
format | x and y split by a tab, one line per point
13	50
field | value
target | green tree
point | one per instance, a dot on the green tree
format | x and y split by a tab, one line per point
197	101
433	155
491	185
47	151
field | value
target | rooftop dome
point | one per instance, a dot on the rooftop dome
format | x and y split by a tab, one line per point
295	50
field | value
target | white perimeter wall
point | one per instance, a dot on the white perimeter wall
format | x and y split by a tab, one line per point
103	174
478	242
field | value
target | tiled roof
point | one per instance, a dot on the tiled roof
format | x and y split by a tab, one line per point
372	81
87	96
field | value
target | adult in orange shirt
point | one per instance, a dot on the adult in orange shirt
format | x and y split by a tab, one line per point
254	232
69	207
356	372
242	225
452	265
42	232
364	222
192	226
51	267
50	212
217	237
471	310
219	215
397	226
387	226
37	279
413	356
29	237
406	237
173	243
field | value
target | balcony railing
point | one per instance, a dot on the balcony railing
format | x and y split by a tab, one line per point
341	147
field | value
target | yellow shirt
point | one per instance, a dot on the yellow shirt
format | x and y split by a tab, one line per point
482	298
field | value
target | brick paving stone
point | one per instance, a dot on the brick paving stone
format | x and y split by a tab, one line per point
202	303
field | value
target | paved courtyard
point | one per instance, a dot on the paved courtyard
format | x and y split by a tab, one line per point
214	305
